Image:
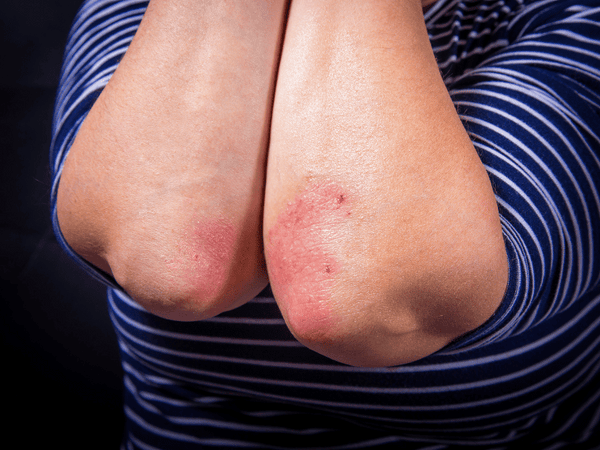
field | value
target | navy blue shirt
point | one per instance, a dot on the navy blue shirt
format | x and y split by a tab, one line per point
525	79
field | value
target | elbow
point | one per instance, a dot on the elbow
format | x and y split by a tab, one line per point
197	276
173	270
376	317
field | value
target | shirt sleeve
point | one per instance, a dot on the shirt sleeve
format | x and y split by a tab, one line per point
532	110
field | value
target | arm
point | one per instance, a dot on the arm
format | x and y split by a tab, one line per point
164	183
382	235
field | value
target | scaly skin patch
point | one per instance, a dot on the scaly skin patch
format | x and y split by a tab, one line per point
301	260
205	256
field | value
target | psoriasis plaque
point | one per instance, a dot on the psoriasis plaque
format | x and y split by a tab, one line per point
300	252
205	254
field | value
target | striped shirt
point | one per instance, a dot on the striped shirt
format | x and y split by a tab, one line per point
525	78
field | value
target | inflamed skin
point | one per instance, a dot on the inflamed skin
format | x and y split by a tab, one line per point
205	256
301	255
183	275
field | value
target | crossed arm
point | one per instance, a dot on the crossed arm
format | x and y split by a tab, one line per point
379	226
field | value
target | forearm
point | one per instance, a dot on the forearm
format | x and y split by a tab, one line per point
163	186
403	249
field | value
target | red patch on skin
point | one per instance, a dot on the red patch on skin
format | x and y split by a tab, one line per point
206	255
301	261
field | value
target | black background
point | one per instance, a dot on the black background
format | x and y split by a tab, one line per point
60	364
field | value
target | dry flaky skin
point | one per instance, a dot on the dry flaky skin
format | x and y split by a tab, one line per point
164	184
302	260
360	104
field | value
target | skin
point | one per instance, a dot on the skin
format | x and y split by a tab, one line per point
301	258
203	256
360	103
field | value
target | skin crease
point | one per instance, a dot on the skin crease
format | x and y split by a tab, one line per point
302	263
